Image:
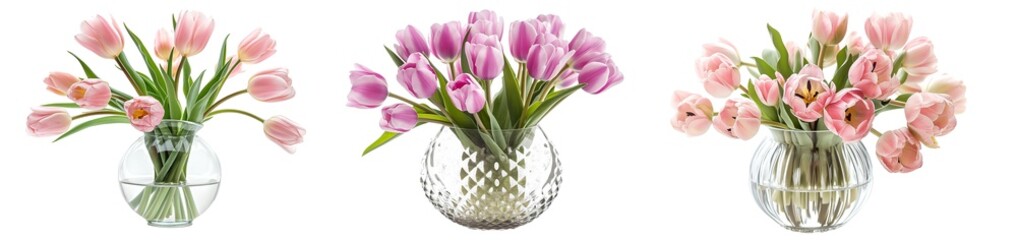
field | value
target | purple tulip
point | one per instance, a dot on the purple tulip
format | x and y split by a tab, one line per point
466	95
587	47
368	89
522	36
409	41
446	41
484	56
599	76
417	76
545	61
487	22
398	118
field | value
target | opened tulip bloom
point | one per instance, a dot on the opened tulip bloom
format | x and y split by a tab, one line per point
92	94
888	31
48	121
271	85
828	27
768	90
466	95
102	37
587	48
369	88
487	22
919	59
284	132
719	74
60	82
871	73
807	94
398	118
193	32
545	61
738	119
724	47
849	115
144	112
485	57
417	76
929	115
952	88
599	76
899	151
446	41
410	41
256	47
164	45
695	113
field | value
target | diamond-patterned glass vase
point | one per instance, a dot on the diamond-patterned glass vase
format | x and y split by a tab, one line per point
491	179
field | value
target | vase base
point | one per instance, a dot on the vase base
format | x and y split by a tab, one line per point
812	230
170	224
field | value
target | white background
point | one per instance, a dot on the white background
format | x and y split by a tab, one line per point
627	173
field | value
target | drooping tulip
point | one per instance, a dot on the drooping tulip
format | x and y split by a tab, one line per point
409	41
545	61
899	151
722	46
587	47
888	31
368	90
271	85
694	113
919	59
91	94
768	89
102	37
738	119
466	94
484	55
284	132
599	76
446	41
144	112
164	45
952	88
256	47
806	93
828	28
48	121
60	82
398	118
929	115
871	73
193	32
719	74
849	114
417	76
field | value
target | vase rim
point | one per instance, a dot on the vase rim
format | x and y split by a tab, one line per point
193	126
797	130
501	130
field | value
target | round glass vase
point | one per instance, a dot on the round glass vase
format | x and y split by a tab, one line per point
810	181
170	176
491	179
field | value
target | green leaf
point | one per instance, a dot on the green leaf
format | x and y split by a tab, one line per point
94	122
539	109
771	56
904	97
840	77
767	112
432	117
783	65
88	71
512	93
382	140
765	68
841	57
898	63
228	65
62	105
171	103
458	118
814	48
463	62
395	57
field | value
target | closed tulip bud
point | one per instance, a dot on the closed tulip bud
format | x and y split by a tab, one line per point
284	132
368	89
60	82
466	95
102	37
92	94
271	85
828	28
164	45
193	32
417	76
888	31
47	121
446	41
256	47
410	41
398	118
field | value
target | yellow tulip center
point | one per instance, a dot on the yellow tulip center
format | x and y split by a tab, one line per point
139	114
808	93
852	117
78	93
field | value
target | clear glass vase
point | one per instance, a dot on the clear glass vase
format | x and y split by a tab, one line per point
170	176
491	179
810	181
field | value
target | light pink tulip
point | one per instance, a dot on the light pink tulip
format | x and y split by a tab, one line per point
587	47
871	73
723	47
738	119
828	28
929	115
552	24
899	151
368	90
409	41
164	45
695	113
545	61
60	82
849	115
795	54
855	44
484	55
233	60
465	94
193	32
522	36
102	37
446	41
284	132
719	74
599	76
256	47
768	89
91	94
888	31
487	22
48	121
417	76
398	118
806	93
919	59
273	85
952	88
144	112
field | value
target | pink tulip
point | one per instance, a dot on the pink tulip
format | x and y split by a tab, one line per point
466	95
144	112
545	61
719	74
919	58
828	28
284	132
899	151
768	90
487	22
368	90
929	115
409	41
102	37
738	119
694	113
256	47
795	54
888	31
417	76
723	47
951	88
91	94
484	55
273	85
871	73
849	115
522	36
855	44
446	41
568	78
806	93
599	76
164	45
552	24
232	60
47	121
588	48
398	118
60	82
193	31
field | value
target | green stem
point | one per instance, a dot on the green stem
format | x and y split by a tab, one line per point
133	81
875	132
411	102
748	64
820	60
176	79
896	103
451	72
773	124
480	123
100	112
742	87
213	113
227	97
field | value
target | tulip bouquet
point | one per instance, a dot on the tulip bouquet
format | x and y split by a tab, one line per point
168	98
789	88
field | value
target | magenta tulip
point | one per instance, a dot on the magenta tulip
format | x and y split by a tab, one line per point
465	94
919	59
929	115
871	73
60	82
192	33
409	41
164	45
446	41
828	28
487	22
144	112
695	113
48	121
568	78
806	93
888	31
738	119
522	36
552	24
723	47
256	47
849	115
417	76
768	89
719	74
102	37
368	90
951	88
284	132
271	85
91	94
545	61
398	118
599	76
899	151
587	47
484	55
